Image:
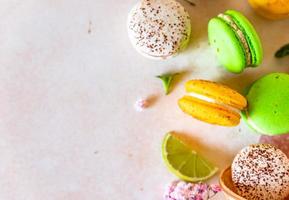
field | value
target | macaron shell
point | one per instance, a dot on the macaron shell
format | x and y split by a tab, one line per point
209	112
268	104
219	92
251	36
277	9
260	172
227	46
245	119
159	29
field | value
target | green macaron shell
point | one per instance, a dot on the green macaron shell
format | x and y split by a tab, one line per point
251	36
268	105
227	46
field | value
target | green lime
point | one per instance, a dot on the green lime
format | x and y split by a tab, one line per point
184	162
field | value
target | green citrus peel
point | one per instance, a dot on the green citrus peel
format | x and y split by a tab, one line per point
185	162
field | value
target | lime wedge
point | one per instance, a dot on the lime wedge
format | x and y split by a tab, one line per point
184	162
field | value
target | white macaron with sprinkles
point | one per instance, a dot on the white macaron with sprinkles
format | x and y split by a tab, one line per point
261	171
159	29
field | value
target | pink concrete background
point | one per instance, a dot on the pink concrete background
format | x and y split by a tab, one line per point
68	81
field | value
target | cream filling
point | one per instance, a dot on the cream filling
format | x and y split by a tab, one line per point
240	36
211	100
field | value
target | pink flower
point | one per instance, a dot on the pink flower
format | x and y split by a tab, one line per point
180	190
198	197
201	188
169	189
216	188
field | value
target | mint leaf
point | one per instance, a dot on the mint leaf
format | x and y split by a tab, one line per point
167	81
283	51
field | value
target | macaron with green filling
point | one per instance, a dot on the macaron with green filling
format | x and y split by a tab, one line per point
235	41
268	105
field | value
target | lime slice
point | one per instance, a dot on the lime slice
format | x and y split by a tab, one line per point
184	162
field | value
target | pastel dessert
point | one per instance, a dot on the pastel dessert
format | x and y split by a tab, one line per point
235	40
212	102
261	171
268	105
159	29
271	9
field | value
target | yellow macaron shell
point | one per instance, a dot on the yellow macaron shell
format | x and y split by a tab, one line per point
219	106
219	92
209	112
271	9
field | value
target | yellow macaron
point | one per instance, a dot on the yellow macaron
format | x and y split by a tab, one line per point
271	9
212	102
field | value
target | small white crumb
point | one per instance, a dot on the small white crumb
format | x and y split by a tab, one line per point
141	104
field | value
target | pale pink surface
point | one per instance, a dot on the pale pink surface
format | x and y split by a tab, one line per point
279	141
68	78
141	104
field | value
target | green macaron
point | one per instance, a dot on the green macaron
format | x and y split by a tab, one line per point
268	105
235	41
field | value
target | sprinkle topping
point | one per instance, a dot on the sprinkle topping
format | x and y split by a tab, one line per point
159	28
261	171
